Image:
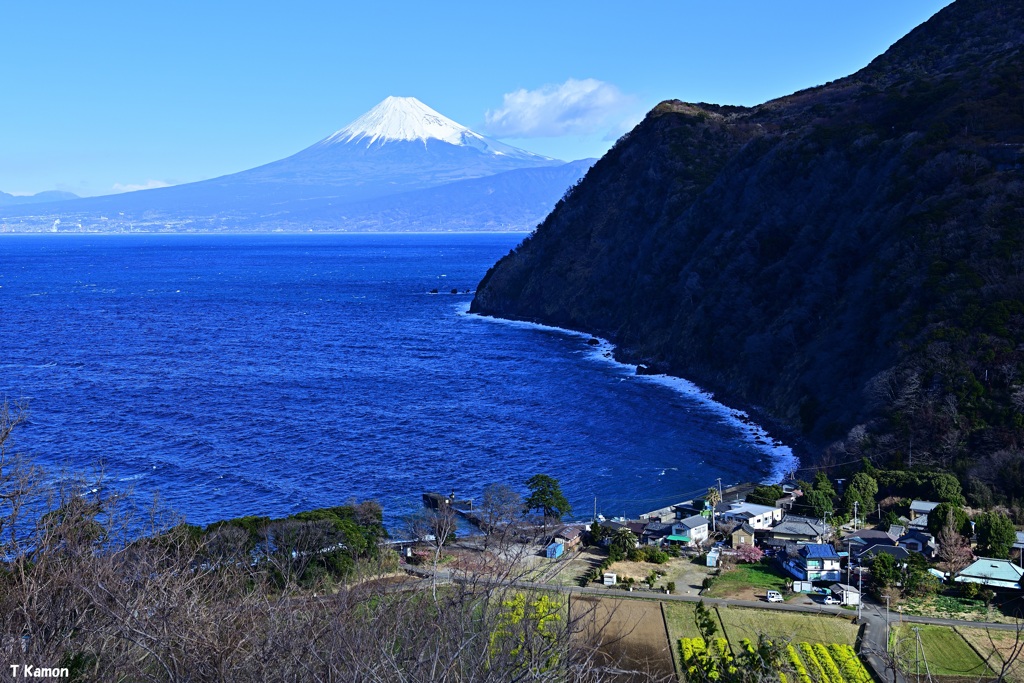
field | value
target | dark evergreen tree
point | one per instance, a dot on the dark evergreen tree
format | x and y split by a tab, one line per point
996	535
765	495
546	496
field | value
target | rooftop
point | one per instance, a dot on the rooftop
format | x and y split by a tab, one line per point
694	521
752	509
993	571
791	524
823	551
896	551
869	537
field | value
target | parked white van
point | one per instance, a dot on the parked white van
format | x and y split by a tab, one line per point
774	596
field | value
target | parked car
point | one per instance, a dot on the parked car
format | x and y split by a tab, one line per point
832	600
774	596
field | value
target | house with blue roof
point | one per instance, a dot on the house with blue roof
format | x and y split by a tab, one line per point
815	562
994	573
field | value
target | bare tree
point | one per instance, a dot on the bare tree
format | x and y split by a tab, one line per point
953	548
500	510
436	528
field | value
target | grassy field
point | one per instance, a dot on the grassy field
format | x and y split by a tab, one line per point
946	653
998	645
680	624
679	619
793	627
746	578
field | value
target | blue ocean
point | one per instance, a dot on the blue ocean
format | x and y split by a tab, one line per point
267	374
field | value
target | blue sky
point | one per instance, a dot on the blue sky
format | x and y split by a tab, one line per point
106	96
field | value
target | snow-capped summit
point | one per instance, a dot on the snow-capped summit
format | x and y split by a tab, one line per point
407	119
401	118
399	166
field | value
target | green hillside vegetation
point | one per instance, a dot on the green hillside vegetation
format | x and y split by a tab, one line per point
848	258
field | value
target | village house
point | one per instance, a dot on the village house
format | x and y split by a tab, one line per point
655	533
815	562
757	516
638	528
800	530
867	555
694	528
741	535
859	541
569	536
919	523
994	573
921	507
791	493
919	542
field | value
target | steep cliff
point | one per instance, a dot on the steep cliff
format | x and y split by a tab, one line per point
847	259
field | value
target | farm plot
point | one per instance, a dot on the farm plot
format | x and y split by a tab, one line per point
790	627
802	662
998	647
941	649
631	632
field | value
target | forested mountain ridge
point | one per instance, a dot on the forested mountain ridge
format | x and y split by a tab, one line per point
847	259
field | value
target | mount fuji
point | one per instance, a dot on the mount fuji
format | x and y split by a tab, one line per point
399	167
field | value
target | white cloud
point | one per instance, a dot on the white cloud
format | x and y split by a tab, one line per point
148	185
574	107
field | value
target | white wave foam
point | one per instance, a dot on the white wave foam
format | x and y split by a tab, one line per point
781	456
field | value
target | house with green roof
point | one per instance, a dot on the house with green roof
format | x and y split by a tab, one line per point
992	572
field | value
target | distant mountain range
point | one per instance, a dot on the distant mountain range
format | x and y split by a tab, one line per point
848	259
401	166
38	198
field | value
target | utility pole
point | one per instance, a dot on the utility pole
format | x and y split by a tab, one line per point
855	515
886	622
921	656
860	589
849	561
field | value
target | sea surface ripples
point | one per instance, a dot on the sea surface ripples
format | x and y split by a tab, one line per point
241	374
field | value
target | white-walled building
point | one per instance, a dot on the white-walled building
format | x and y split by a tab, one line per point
695	528
757	516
